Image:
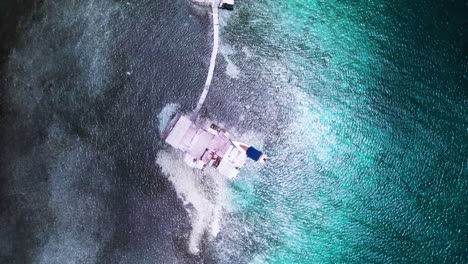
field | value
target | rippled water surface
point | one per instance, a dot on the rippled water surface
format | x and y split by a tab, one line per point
360	105
371	165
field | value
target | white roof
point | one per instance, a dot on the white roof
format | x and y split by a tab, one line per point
176	137
231	164
203	147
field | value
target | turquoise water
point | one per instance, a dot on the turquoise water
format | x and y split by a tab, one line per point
371	166
360	106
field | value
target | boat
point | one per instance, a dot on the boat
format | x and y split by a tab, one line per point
209	146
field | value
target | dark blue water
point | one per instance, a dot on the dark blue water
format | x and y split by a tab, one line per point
361	107
79	134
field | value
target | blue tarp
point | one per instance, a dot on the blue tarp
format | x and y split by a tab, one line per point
254	153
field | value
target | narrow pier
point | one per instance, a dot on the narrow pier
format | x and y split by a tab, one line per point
214	53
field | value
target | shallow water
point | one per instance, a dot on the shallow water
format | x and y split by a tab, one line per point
365	119
361	107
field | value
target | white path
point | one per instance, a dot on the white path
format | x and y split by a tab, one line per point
214	53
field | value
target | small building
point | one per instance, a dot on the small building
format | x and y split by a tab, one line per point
209	146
